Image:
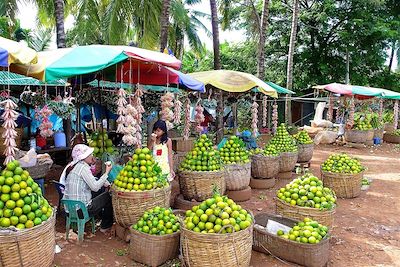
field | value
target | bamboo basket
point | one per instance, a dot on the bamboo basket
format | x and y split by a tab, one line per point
305	152
264	167
210	250
311	255
391	138
18	139
345	185
324	217
28	247
129	206
237	176
389	127
288	161
153	250
199	185
358	136
378	133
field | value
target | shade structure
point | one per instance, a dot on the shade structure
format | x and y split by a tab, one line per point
390	94
10	78
233	81
358	91
15	52
147	73
280	89
117	85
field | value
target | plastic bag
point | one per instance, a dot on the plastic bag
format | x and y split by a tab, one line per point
29	160
325	137
114	172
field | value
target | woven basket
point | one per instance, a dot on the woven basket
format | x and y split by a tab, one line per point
358	136
40	170
391	138
324	217
345	185
288	161
153	250
130	206
237	176
28	247
199	185
264	167
305	153
389	127
311	255
378	133
210	250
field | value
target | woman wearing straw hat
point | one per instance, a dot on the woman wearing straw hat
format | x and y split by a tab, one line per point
79	183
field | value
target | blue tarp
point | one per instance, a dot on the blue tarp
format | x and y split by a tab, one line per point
3	58
189	82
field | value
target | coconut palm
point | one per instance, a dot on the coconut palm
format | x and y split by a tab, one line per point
164	21
215	33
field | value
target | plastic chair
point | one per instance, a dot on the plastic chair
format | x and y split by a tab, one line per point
60	190
72	217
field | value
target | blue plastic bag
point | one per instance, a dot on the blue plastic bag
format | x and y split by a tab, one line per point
114	172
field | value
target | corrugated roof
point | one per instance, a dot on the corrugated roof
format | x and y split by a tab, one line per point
18	79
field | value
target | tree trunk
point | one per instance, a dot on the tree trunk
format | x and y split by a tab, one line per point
347	79
220	116
215	33
164	20
59	14
392	55
292	45
261	44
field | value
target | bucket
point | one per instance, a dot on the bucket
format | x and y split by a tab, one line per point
377	141
60	140
40	141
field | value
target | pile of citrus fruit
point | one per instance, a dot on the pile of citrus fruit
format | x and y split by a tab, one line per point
234	151
213	214
203	157
342	163
157	221
396	133
283	141
362	122
307	191
307	231
21	202
101	144
255	151
140	173
270	150
303	138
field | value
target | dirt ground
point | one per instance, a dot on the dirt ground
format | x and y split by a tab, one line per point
366	230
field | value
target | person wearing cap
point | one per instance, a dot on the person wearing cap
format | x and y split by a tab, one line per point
79	183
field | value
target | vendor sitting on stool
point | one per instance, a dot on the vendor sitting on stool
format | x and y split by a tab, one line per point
79	183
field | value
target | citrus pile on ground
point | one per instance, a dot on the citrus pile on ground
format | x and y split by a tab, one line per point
362	122
307	231
342	163
283	141
157	221
203	157
101	144
234	151
307	191
140	173
303	138
214	213
21	202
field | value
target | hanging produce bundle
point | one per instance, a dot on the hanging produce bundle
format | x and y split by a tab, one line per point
21	202
308	191
362	121
254	120
203	157
342	163
121	111
396	113
137	103
101	144
265	111
303	138
46	125
234	151
186	130
380	108
199	118
158	221
274	117
9	117
177	111
283	141
167	102
213	214
307	231
350	120
141	173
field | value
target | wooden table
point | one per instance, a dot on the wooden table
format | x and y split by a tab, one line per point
56	152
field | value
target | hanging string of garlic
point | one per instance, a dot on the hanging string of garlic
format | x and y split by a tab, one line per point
339	111
350	121
186	130
166	114
9	117
177	111
380	108
254	121
265	111
396	113
139	118
199	117
329	114
121	111
274	117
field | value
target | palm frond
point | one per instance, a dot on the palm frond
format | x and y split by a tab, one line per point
41	39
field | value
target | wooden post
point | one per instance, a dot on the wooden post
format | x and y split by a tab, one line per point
235	118
220	116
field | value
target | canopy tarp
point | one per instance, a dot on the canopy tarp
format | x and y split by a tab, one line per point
21	80
15	52
117	85
358	91
280	89
233	81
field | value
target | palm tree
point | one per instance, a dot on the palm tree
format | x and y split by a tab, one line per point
292	45
59	15
164	21
261	44
8	8
41	39
215	34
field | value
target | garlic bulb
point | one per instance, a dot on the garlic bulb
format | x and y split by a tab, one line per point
9	116
186	130
254	121
396	113
177	111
